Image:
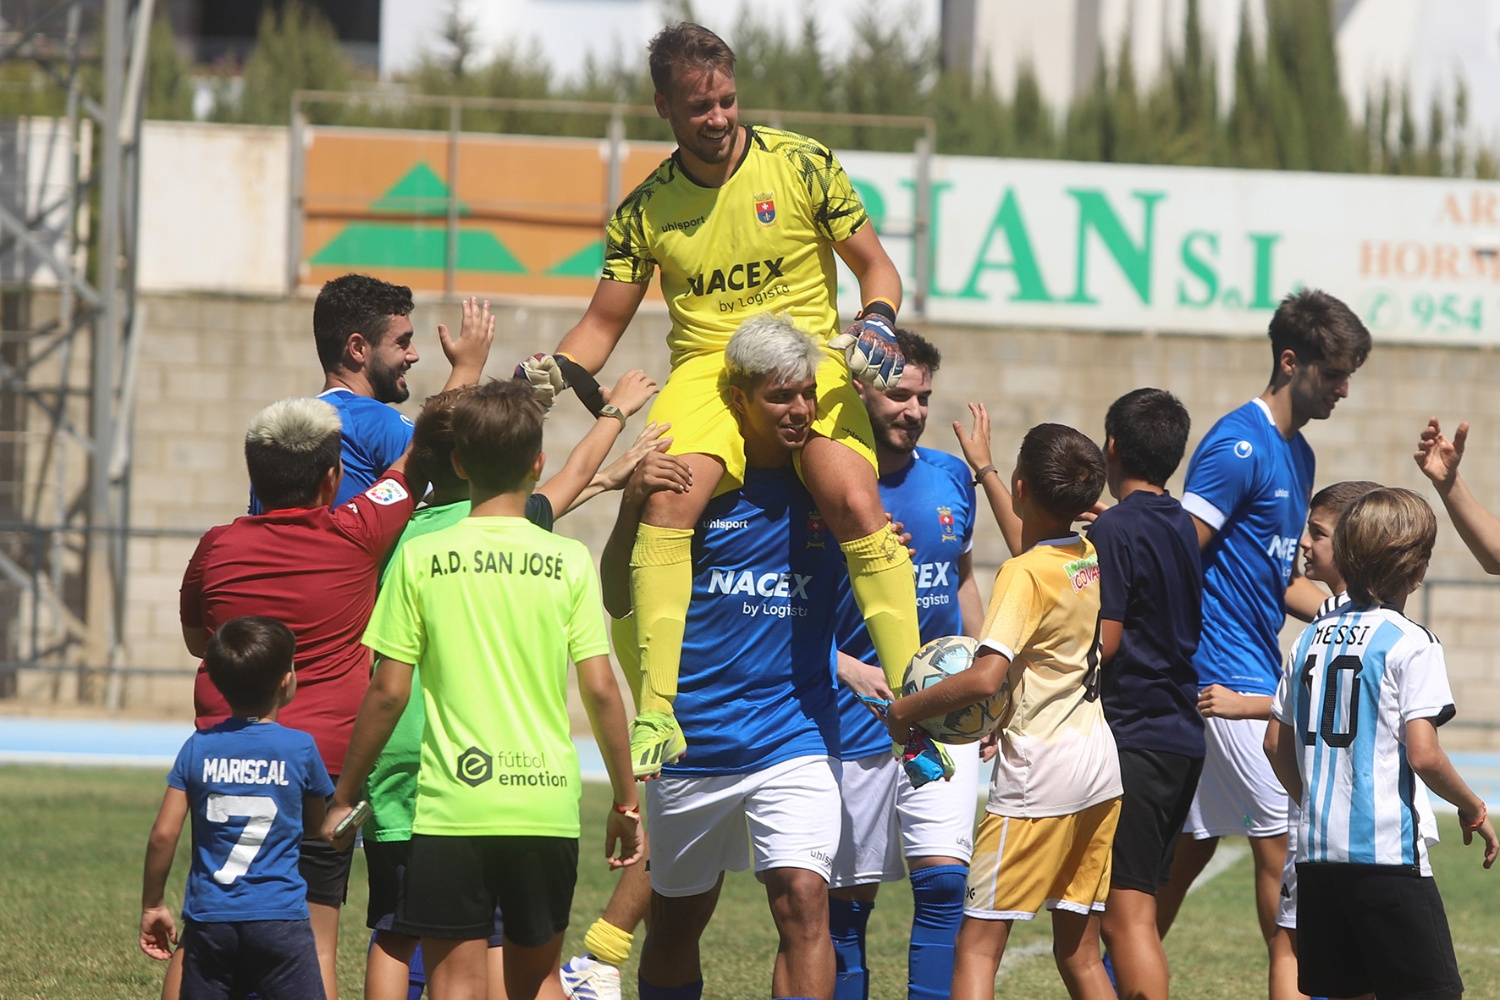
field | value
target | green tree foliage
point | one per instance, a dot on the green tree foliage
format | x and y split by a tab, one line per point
295	49
1287	110
169	76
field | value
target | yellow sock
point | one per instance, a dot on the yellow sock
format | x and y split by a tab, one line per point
880	574
608	943
661	587
622	634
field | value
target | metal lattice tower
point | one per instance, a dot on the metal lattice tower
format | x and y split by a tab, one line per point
69	322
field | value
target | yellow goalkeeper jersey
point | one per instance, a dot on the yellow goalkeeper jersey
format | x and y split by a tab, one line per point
764	240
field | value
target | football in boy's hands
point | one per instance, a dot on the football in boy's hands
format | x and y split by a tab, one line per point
942	658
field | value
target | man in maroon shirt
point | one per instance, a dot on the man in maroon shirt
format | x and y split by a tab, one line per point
314	568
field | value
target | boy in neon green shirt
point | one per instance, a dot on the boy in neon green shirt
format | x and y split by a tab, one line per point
493	608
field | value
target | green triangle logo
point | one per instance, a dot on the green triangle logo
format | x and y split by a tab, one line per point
586	263
369	244
418	244
420	192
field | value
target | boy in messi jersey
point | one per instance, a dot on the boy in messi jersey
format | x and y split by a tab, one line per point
1323	513
493	608
1055	795
757	702
252	787
884	817
1247	489
739	220
1356	717
394	964
1150	615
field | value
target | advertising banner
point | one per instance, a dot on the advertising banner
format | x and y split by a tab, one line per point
1011	242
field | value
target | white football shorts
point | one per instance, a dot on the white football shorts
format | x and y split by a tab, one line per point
703	826
884	816
1238	794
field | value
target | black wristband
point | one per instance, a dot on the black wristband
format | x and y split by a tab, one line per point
581	382
879	307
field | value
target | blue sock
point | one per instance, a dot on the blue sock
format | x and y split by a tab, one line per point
687	991
418	976
846	925
938	898
1109	970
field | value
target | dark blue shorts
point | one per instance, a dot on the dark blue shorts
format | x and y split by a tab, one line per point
274	958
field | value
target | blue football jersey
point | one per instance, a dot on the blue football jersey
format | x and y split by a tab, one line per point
1251	485
933	498
1354	680
374	436
245	782
755	685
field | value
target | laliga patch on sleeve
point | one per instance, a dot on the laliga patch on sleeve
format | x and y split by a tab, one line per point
387	492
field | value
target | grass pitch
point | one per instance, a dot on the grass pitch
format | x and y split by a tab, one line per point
75	838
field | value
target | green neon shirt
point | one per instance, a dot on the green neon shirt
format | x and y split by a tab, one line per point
496	755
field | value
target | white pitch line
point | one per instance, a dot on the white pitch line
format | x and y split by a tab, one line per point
1224	859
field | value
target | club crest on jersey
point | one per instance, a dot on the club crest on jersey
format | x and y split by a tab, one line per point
815	529
946	522
1082	572
765	208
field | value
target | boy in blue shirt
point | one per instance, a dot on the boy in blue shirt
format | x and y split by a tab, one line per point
252	787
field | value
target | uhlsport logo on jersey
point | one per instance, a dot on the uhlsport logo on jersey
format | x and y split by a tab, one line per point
765	208
1242	449
945	520
815	529
1083	572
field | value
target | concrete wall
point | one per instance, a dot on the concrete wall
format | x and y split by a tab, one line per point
208	364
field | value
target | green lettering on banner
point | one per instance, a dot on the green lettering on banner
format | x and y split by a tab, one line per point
1200	268
873	201
1264	244
1009	224
934	236
1094	212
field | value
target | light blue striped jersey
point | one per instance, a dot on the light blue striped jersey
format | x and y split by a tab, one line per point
1354	679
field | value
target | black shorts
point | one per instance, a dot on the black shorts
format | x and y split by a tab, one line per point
325	869
274	958
386	862
1372	927
454	885
1159	789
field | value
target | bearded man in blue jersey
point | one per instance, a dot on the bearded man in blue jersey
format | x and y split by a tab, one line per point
1248	487
755	697
932	494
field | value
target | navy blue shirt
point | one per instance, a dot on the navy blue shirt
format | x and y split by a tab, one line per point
1151	581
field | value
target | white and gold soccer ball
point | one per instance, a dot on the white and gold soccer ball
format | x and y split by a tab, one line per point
942	658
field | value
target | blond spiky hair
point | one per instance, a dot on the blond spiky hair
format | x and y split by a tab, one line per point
294	425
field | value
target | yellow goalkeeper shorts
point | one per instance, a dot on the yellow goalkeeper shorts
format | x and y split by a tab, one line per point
695	401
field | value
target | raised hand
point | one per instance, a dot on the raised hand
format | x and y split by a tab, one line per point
1437	456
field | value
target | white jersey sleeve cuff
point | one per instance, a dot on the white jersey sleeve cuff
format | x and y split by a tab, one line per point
1204	511
991	646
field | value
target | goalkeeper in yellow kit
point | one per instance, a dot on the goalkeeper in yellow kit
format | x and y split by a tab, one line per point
739	220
